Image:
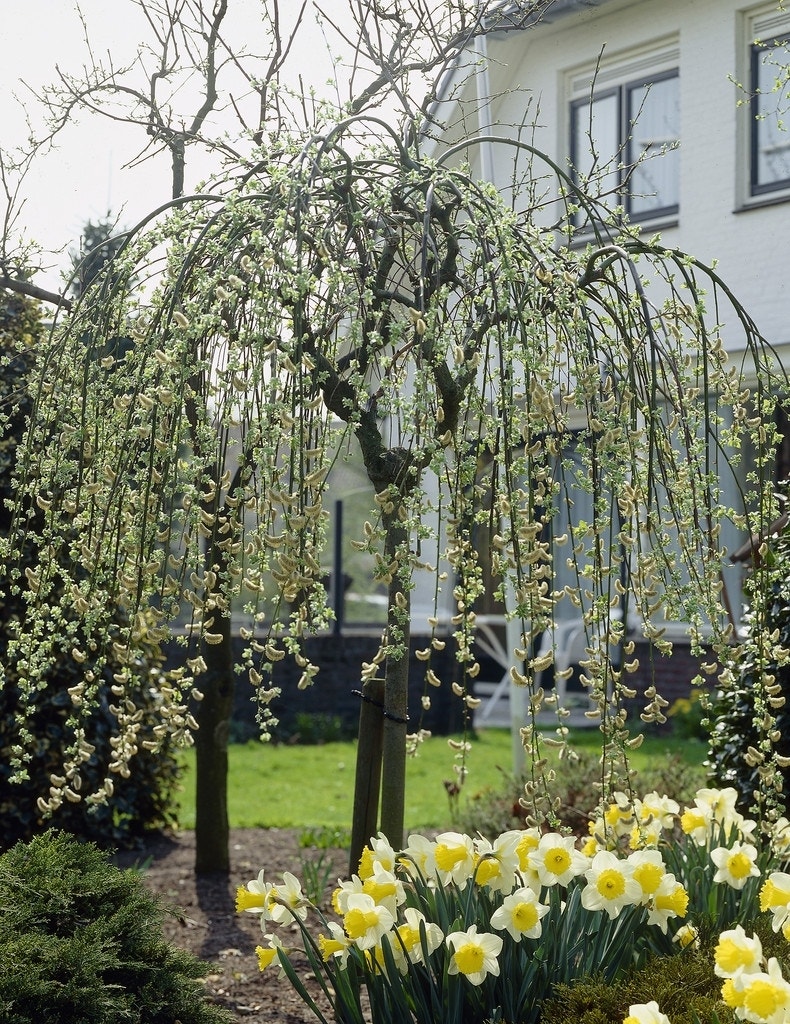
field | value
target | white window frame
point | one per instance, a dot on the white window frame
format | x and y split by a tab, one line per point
763	25
657	60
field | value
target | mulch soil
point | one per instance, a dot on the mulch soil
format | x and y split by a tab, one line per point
204	921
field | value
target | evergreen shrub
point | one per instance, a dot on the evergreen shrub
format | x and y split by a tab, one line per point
81	940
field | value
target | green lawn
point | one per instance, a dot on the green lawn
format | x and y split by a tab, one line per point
312	786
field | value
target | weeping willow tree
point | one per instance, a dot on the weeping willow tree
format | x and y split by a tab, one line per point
393	305
340	292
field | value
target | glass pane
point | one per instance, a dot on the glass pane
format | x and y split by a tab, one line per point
771	154
595	147
654	119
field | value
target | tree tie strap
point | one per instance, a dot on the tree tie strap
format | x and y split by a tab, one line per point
378	704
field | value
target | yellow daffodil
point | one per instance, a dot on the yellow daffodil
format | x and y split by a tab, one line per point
775	896
418	858
266	954
696	823
286	900
497	862
346	887
610	884
556	859
455	857
780	838
645	1013
253	897
686	935
474	955
649	869
670	900
527	840
378	851
765	995
336	945
735	952
736	864
619	815
520	915
366	921
406	940
732	996
384	888
645	835
653	807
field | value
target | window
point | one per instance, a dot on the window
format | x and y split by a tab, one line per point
769	143
625	130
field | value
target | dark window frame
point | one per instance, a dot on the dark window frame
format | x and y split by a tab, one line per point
625	115
780	184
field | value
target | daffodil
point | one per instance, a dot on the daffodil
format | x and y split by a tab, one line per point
735	953
619	815
610	884
406	939
775	896
645	1013
653	807
384	888
670	900
366	921
252	898
346	887
715	809
335	945
697	822
645	835
735	864
527	840
286	901
418	858
556	859
474	955
590	846
648	869
764	996
780	838
520	914
454	854
686	935
497	862
379	852
266	954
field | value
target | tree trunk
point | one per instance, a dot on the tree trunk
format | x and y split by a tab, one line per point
212	828
396	686
381	749
393	783
367	782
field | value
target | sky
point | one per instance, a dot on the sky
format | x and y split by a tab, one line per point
84	176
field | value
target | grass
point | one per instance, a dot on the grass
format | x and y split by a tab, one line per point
312	786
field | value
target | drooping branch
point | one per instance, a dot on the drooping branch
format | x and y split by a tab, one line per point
33	291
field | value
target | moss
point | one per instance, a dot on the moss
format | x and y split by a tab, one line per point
684	986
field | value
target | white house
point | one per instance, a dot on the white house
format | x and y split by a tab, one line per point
673	110
688	84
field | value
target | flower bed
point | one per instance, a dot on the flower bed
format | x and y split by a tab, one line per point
462	929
